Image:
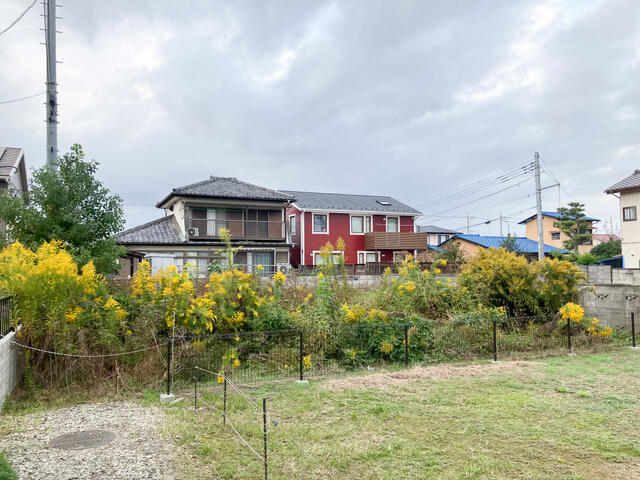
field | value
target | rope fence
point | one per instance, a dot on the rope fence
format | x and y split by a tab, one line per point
74	355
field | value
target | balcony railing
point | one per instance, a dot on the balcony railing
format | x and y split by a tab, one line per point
240	229
395	241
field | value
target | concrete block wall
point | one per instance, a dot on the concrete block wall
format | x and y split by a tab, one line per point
10	366
612	304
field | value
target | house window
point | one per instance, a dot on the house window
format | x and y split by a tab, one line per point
320	223
629	214
555	235
319	260
292	224
367	257
357	224
398	257
443	238
392	224
367	224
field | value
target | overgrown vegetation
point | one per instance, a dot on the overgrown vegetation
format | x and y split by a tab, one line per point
67	311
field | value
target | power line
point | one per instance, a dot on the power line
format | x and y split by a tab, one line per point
19	18
482	198
23	98
482	185
494	219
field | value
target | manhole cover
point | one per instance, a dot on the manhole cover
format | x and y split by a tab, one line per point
82	440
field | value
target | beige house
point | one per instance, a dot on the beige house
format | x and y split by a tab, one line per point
552	235
188	235
628	192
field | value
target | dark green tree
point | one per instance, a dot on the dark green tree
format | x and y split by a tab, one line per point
68	204
452	253
510	243
574	225
609	249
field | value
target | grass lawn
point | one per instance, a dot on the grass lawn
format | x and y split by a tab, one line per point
558	418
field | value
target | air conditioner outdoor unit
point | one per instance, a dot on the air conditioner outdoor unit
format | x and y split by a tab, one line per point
283	267
194	232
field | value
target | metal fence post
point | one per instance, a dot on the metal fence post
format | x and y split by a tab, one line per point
169	355
264	432
224	397
633	330
569	335
406	345
301	355
495	340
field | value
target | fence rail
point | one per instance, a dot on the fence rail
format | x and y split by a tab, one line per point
5	315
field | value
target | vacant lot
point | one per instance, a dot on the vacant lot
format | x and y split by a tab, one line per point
559	418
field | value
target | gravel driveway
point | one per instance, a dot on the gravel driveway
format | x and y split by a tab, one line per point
137	452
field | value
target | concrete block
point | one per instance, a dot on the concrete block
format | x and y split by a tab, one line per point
164	398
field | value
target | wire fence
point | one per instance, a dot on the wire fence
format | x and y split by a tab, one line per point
268	356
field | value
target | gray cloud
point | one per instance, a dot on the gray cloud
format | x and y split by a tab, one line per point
414	99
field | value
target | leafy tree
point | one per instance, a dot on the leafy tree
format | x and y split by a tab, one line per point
586	259
609	249
452	253
574	225
510	243
70	205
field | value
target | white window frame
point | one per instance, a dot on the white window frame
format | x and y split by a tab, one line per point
633	209
555	234
317	252
398	224
364	253
364	224
313	224
446	236
404	255
292	224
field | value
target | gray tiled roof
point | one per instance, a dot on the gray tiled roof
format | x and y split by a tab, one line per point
629	183
163	230
434	229
348	202
9	157
227	187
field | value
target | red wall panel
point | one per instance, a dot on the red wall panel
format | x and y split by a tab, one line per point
339	226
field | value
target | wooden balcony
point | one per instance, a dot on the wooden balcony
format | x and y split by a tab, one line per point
271	230
395	241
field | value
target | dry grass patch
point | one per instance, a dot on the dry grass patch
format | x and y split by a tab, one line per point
434	372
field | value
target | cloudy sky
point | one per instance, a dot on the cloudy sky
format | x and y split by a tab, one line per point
417	100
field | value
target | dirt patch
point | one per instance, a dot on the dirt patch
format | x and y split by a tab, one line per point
435	372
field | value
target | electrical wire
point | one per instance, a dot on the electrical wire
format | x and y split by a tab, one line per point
457	207
482	185
23	98
19	18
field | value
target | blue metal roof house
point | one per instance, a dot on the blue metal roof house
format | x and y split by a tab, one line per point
525	246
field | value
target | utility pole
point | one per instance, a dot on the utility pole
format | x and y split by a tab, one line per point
536	159
500	223
52	85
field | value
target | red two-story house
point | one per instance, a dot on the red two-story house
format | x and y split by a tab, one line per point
374	228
